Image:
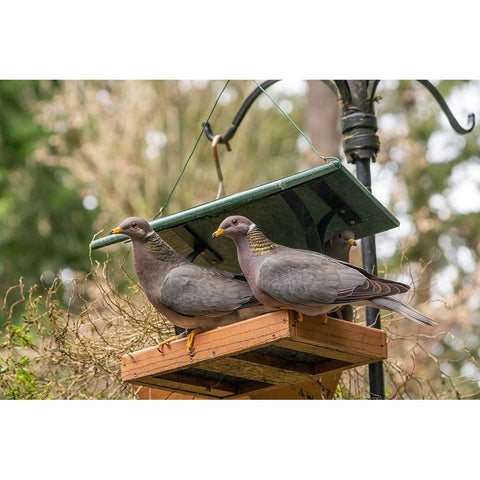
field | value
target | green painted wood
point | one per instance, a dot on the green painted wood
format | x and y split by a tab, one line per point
315	192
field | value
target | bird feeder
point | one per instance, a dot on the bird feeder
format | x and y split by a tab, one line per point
274	355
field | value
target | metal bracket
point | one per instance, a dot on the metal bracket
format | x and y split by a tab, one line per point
446	110
228	135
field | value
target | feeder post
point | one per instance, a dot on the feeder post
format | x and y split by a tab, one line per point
361	144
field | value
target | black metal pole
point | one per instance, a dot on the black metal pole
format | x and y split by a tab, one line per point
360	143
369	256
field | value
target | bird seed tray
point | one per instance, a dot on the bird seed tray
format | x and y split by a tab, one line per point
299	211
257	355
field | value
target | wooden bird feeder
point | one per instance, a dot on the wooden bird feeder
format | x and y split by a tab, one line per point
274	355
271	356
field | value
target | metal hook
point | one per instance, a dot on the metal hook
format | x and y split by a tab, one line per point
228	135
216	140
446	110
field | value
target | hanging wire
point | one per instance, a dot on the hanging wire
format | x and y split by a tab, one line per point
160	212
263	90
295	125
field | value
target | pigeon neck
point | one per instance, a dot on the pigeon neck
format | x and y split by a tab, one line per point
258	242
158	248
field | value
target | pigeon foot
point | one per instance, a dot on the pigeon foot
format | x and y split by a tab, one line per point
190	338
170	340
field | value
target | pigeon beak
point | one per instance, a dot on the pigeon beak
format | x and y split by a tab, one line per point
116	230
351	241
217	233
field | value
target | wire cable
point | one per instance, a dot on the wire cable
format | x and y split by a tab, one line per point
160	212
295	125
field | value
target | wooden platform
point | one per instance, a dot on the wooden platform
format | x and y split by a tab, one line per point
272	353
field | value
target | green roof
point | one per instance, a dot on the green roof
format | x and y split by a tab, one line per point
300	211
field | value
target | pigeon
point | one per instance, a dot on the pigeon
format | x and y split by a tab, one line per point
192	297
308	282
338	246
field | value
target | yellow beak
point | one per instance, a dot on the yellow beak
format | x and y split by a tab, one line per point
217	233
351	241
117	230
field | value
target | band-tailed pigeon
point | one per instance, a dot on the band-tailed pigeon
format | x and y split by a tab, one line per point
305	281
190	296
339	246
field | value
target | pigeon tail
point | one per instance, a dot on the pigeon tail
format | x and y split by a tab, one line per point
396	305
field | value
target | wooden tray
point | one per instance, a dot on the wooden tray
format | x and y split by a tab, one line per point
271	353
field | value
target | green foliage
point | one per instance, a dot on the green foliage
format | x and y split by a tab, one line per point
49	351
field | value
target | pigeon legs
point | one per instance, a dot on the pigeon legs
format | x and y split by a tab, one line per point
299	314
170	340
192	334
190	337
323	316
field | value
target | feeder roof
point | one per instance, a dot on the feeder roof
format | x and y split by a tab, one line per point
300	211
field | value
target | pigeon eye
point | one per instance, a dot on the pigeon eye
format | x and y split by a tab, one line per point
235	222
134	225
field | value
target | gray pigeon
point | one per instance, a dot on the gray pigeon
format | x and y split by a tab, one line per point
305	281
339	246
190	296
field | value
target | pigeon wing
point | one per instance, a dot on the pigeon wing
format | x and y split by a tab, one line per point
306	278
196	291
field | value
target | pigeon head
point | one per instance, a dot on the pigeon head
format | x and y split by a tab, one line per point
234	226
135	227
345	237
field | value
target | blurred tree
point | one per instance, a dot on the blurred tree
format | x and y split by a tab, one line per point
433	185
45	226
69	145
322	114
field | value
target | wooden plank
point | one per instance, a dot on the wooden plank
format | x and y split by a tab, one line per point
154	383
320	388
187	384
192	383
340	336
147	393
182	382
235	338
326	352
253	371
277	362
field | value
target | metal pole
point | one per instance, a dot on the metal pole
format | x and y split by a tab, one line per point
359	126
369	256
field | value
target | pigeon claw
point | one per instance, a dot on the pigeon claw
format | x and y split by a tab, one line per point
170	340
324	318
190	338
